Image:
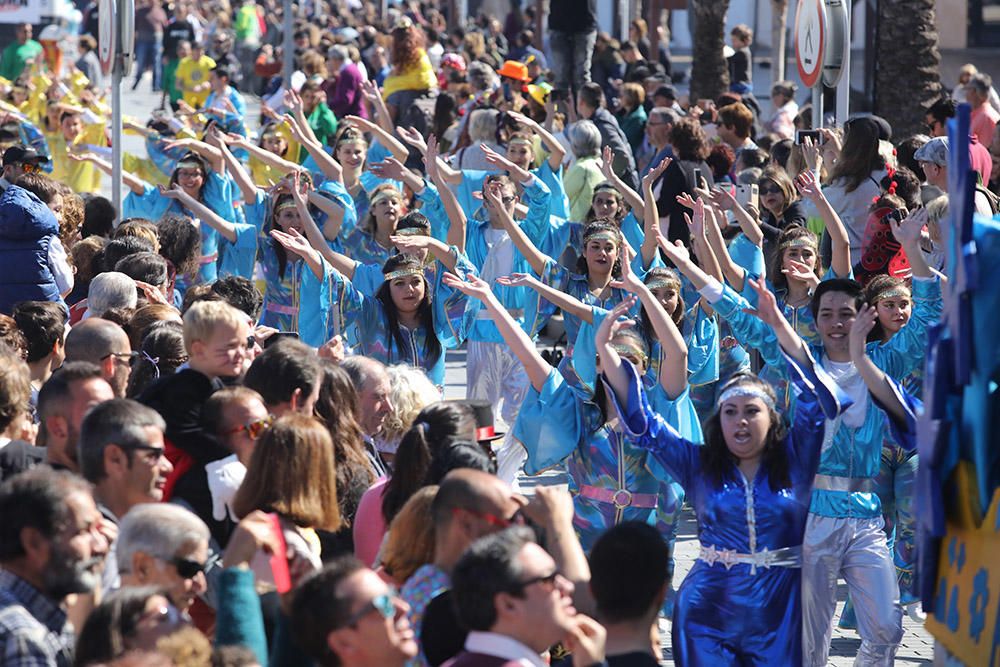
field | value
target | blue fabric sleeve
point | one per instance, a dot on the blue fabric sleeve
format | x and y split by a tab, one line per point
747	256
550	424
238	617
454	312
649	431
749	330
237	259
678	412
703	347
554	181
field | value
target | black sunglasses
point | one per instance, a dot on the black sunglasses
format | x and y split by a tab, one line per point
188	568
548	581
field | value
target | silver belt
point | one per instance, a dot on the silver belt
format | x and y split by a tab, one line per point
845	484
765	558
516	313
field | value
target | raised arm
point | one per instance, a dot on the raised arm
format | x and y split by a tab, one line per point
380	112
674	369
520	343
416	140
210	153
840	262
556	151
611	363
493	195
235	168
295	243
565	302
385	137
650	213
907	232
302	133
747	220
632	198
204	213
733	273
439	250
767	311
134	183
454	211
877	381
265	156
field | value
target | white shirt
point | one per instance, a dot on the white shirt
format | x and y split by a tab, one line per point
500	259
502	646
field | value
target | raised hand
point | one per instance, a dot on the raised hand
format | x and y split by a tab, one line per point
686	200
293	101
907	231
612	324
496	159
411	241
413	138
333	349
863	324
802	272
174	193
152	293
371	92
676	251
767	306
655	172
811	154
292	241
517	280
390	168
430	159
607	161
808	186
522	119
697	223
475	286
629	281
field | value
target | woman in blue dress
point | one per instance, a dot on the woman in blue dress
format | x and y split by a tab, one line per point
750	485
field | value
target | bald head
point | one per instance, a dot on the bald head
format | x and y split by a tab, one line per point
103	343
371	380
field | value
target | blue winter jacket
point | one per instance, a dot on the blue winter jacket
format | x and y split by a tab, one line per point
27	228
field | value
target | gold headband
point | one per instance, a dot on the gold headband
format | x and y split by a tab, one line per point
799	242
630	350
892	293
659	282
188	164
283	205
603	236
411	231
520	140
385	194
403	273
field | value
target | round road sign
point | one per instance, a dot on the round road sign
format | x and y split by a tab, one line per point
810	40
107	28
838	23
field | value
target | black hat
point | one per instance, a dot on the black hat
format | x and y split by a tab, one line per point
20	155
483	412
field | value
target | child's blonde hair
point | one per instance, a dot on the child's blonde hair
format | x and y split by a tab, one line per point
202	317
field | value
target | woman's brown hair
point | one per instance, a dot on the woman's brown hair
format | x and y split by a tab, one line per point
292	473
689	140
410	539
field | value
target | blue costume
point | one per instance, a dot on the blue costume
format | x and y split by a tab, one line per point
740	603
218	194
335	300
844	534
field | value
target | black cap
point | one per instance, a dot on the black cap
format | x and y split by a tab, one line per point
20	155
483	412
666	91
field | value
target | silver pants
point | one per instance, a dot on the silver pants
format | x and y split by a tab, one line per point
495	374
855	549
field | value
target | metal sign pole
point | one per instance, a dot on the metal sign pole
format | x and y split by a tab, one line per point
844	86
817	119
288	47
116	125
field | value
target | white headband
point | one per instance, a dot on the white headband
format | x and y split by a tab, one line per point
747	390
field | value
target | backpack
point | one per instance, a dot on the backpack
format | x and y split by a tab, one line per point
991	197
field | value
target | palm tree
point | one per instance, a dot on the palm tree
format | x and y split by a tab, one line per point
907	61
709	72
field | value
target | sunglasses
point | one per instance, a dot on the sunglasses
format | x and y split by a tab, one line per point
127	357
493	519
384	604
769	190
548	581
188	568
254	429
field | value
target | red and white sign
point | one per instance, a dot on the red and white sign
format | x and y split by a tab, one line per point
810	40
107	32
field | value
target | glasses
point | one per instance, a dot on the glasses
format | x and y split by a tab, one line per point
769	190
189	173
127	357
187	568
254	428
493	519
384	604
168	614
548	581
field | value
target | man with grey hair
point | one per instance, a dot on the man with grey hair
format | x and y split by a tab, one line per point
111	289
658	126
51	546
106	344
933	159
343	89
984	117
121	452
162	544
371	381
